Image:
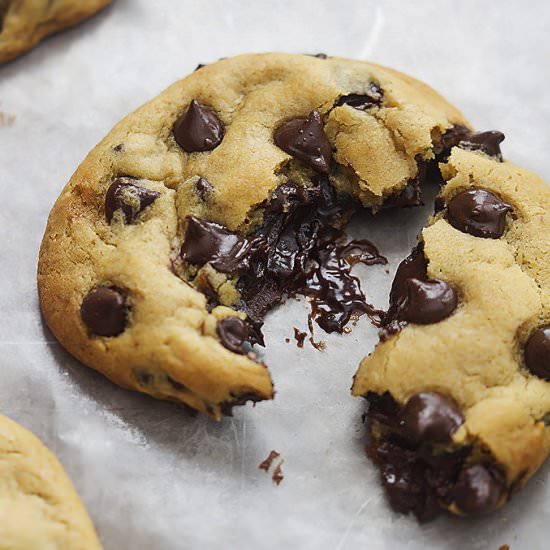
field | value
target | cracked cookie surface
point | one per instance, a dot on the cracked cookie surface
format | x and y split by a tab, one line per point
146	263
24	23
39	507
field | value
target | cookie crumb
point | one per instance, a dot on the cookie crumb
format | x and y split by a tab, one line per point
6	120
504	547
287	340
266	464
277	475
300	337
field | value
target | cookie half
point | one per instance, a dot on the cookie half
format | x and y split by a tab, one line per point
39	507
458	387
208	206
24	23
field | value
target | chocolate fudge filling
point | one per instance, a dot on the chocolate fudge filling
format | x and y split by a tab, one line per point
296	250
419	475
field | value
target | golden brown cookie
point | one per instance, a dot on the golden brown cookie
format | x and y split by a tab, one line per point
39	507
24	23
207	206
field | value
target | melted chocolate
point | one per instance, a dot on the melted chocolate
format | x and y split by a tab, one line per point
305	139
233	333
371	98
199	129
537	353
478	212
487	142
300	337
292	252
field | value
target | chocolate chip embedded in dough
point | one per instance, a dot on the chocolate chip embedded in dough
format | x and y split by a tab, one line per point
371	98
537	353
204	189
430	416
427	301
477	490
209	242
487	142
199	129
233	333
478	212
104	311
305	139
238	400
126	195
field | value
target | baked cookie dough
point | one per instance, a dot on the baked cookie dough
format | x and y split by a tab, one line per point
205	208
39	508
24	23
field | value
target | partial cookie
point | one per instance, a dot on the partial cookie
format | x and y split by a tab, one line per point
458	388
24	23
39	507
205	208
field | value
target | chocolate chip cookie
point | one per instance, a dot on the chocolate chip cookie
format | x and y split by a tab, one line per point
39	507
213	203
458	387
24	23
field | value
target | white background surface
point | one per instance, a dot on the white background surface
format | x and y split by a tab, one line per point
151	476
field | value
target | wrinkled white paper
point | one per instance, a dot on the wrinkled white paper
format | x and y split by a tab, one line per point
151	476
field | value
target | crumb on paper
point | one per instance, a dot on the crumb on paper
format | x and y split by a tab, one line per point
504	547
277	475
320	345
300	337
347	330
266	464
6	120
287	340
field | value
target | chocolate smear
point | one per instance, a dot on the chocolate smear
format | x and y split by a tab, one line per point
305	139
199	129
478	212
125	194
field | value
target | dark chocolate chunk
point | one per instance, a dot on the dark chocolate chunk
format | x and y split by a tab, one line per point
209	242
104	311
371	98
430	416
427	301
478	212
413	266
453	136
126	195
199	129
204	189
239	400
537	353
477	490
233	333
305	139
487	142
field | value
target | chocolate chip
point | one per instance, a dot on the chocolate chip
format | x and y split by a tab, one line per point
104	311
239	400
453	136
199	129
199	66
537	353
209	242
487	142
371	98
427	301
479	213
204	189
118	148
477	490
413	266
305	139
129	197
233	333
430	416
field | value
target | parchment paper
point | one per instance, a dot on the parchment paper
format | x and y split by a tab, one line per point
151	476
